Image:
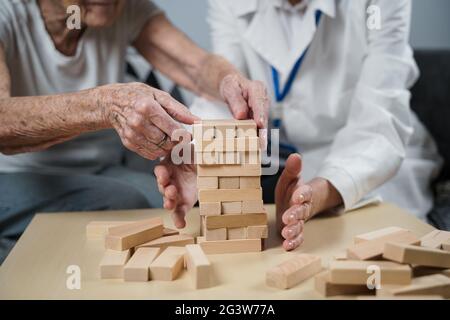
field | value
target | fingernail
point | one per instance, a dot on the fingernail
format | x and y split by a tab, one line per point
292	217
291	244
290	233
302	197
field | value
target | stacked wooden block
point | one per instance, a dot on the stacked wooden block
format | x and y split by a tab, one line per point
228	157
406	266
145	250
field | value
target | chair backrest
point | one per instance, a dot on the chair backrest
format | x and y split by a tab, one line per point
431	99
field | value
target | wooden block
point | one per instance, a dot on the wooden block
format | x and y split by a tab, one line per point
210	208
228	195
215	235
423	256
132	234
247	131
229	170
198	266
169	232
257	232
323	286
290	273
434	239
377	234
436	284
235	220
231	207
446	245
229	246
236	233
225	131
178	240
340	256
373	249
207	182
227	145
252	206
218	158
168	264
250	182
228	183
356	272
202	132
420	271
113	263
138	267
99	229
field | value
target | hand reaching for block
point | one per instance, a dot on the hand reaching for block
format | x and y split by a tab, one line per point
177	184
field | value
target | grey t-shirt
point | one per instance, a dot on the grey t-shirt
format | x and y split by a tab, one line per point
37	68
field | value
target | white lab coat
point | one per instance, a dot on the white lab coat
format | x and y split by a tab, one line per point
348	111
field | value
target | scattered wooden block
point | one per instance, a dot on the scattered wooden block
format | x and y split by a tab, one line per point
434	239
356	272
252	206
340	256
228	183
229	170
420	271
235	220
231	207
113	263
373	249
377	234
436	284
323	286
227	195
99	229
292	272
229	246
257	232
207	182
210	208
169	232
178	240
446	245
198	266
126	236
138	267
168	264
250	182
423	256
236	233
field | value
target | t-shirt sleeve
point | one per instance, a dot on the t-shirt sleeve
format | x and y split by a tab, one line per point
136	14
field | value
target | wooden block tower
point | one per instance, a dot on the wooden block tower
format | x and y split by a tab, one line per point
228	157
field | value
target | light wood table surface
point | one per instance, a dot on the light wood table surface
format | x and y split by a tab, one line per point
36	268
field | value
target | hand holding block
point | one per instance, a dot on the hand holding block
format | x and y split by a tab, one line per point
229	246
356	272
373	249
434	239
168	265
138	267
235	220
198	266
112	264
416	255
377	234
436	284
178	240
132	234
290	273
323	286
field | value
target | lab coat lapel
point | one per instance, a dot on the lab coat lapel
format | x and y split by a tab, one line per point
266	35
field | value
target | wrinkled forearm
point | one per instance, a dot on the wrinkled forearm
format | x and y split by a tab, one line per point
324	196
36	123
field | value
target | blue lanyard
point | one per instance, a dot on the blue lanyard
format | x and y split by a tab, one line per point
281	95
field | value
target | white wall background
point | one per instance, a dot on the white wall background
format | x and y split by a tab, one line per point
430	21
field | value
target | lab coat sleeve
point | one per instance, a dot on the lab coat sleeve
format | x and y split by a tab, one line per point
225	42
370	148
